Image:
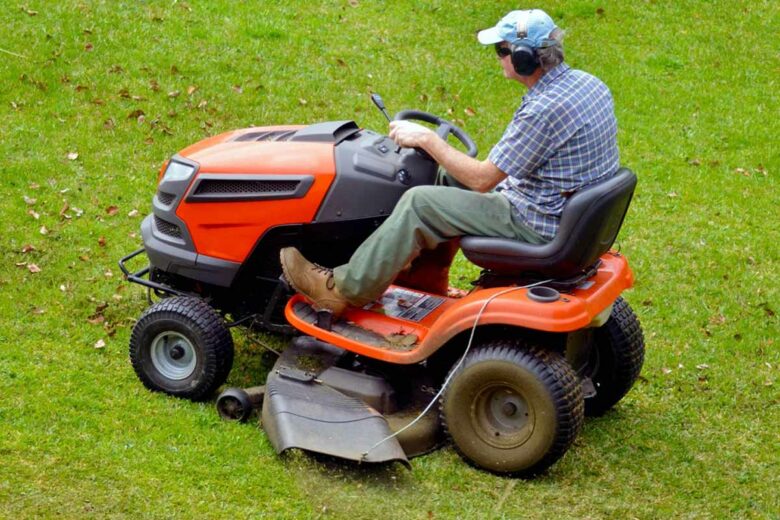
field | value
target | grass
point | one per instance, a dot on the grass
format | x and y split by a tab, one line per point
695	86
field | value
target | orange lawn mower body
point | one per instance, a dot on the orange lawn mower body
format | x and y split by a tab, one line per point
543	337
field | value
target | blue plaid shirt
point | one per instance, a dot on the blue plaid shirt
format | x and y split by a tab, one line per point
562	138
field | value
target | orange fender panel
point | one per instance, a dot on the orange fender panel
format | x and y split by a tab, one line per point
571	312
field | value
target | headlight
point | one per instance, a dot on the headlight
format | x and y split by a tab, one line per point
177	171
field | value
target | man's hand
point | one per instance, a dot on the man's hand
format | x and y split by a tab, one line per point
408	134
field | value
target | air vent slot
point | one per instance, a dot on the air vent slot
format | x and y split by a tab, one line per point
243	187
167	228
231	187
267	135
165	198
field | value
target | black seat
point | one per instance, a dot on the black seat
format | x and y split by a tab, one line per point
589	225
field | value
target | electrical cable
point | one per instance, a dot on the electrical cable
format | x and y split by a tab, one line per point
454	370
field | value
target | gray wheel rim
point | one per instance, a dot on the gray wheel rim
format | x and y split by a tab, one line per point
173	355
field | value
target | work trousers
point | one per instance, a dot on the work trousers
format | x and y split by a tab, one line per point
425	217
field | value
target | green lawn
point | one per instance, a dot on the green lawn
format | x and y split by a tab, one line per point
95	95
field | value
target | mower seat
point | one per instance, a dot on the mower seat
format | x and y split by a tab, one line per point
589	225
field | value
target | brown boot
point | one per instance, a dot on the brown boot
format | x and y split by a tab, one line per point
313	281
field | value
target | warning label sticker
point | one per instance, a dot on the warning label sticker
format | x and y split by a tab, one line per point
405	304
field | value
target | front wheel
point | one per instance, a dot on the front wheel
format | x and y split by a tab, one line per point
512	409
180	346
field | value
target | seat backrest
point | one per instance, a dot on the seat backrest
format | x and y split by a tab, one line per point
592	219
589	225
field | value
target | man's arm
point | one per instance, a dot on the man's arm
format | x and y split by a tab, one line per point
481	176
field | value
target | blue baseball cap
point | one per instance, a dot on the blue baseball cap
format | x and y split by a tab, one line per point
532	27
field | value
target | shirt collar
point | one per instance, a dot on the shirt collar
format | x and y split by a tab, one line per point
547	78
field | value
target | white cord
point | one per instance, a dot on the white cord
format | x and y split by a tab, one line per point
457	365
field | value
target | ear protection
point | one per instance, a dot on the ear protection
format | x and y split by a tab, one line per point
524	59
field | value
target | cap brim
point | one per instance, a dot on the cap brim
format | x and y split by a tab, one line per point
489	36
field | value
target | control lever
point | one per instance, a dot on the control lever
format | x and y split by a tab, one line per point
377	99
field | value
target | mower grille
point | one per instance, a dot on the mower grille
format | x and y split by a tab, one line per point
230	187
167	228
268	135
165	198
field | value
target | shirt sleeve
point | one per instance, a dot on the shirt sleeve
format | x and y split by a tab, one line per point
527	144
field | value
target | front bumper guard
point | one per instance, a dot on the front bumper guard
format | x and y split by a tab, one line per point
141	277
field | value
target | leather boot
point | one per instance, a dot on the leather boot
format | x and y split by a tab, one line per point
313	281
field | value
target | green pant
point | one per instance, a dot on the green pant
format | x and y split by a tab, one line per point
425	217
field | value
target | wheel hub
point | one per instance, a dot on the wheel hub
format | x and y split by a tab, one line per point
173	355
502	417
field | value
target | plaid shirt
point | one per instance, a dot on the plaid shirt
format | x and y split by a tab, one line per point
562	137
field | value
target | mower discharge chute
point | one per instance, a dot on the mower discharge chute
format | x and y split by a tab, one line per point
543	339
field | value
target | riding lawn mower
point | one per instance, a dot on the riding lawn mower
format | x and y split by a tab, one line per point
505	372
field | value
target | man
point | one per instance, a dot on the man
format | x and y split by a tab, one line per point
561	138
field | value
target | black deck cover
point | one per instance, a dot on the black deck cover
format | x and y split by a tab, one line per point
300	412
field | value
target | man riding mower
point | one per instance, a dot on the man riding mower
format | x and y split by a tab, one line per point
542	339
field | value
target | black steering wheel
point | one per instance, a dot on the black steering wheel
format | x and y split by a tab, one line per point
444	128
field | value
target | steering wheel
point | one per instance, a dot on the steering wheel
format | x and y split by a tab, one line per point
443	128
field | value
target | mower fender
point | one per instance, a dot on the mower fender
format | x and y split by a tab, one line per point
582	308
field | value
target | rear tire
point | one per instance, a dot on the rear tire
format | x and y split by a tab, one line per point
512	409
180	346
616	359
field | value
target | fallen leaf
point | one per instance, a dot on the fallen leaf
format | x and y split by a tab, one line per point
469	111
154	85
237	89
742	171
96	319
29	12
703	366
65	208
302	101
77	211
108	273
671	194
63	287
134	213
38	311
84	258
29	201
21	264
88	47
100	343
112	210
354	3
191	90
115	69
33	268
174	70
135	114
98	101
81	88
109	124
28	247
102	241
600	11
34	185
173	93
33	214
666	370
694	162
72	156
203	103
43	230
341	63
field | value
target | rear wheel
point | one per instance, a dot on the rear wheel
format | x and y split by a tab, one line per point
512	409
615	360
181	346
